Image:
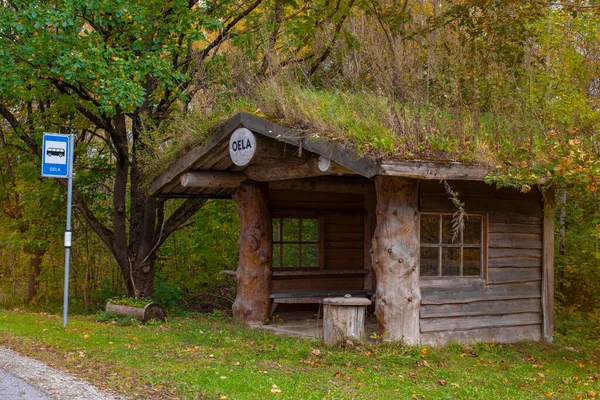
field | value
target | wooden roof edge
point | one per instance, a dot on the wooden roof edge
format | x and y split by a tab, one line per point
363	165
183	164
434	170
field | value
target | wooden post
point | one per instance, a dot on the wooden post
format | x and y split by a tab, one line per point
548	267
254	271
396	258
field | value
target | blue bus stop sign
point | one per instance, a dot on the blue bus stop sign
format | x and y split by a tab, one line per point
55	156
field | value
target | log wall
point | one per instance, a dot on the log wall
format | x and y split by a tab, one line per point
344	217
504	305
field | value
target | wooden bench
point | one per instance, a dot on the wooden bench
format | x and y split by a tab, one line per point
313	297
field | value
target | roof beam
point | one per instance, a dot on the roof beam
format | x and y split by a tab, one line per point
212	179
434	170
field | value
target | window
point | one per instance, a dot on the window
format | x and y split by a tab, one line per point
442	256
295	242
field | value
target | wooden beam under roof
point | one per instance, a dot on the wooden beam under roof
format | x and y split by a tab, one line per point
434	170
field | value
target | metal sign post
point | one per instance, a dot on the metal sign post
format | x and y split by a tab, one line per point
57	162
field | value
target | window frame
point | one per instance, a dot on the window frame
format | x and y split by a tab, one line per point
319	242
482	246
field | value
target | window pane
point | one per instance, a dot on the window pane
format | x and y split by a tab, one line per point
450	261
291	230
430	228
471	262
290	255
276	231
309	230
310	256
429	261
472	232
447	230
276	256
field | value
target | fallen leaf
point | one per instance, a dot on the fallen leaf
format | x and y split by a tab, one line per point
275	389
442	382
316	352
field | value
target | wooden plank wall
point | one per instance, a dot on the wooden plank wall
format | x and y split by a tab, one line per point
506	306
343	216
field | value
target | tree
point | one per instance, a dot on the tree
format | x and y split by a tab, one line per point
112	72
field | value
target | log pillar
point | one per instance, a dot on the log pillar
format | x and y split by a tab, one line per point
395	248
255	245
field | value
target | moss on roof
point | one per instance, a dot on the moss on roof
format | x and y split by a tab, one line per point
510	140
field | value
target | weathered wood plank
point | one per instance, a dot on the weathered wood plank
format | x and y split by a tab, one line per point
343	245
470	294
481	321
345	254
344	237
344	228
434	170
212	179
319	272
343	264
507	274
511	218
516	240
499	335
325	184
481	308
344	219
482	205
300	205
476	190
525	262
319	283
317	197
495	227
508	252
548	267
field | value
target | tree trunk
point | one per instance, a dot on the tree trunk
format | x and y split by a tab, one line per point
396	259
254	272
35	267
562	249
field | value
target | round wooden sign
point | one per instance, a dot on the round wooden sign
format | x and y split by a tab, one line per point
324	163
242	146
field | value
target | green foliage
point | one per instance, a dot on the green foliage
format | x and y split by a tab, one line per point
115	319
191	260
132	302
168	295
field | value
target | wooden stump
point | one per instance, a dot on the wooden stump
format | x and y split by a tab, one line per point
395	249
344	318
150	311
254	271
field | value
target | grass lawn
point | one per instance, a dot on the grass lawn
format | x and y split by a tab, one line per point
212	357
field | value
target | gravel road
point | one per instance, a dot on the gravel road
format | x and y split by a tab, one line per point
23	378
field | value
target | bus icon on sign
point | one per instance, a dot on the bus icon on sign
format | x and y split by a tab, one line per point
55	152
